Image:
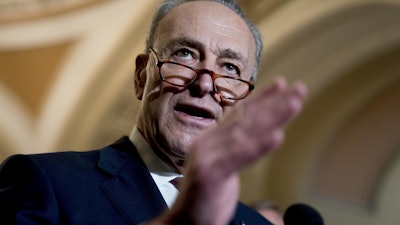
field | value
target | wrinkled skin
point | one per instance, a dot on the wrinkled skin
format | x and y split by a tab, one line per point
213	37
212	146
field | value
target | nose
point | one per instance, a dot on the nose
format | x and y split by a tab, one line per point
203	85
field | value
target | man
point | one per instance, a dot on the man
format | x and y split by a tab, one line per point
200	62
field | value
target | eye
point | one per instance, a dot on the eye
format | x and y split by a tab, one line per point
184	53
231	69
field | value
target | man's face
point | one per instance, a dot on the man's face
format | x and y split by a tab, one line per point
201	34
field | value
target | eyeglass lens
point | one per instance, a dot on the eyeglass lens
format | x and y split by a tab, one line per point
182	76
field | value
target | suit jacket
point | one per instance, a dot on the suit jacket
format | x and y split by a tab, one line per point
110	186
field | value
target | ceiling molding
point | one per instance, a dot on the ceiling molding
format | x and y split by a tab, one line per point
18	11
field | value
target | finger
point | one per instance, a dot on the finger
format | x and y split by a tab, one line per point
296	98
300	89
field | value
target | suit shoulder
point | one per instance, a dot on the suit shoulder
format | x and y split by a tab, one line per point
67	161
25	164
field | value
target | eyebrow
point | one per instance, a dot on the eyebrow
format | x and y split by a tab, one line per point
223	53
184	41
189	42
231	54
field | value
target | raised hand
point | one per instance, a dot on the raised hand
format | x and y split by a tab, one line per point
210	189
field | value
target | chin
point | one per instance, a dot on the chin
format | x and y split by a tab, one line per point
184	143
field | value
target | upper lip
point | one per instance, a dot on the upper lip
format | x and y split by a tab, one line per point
195	110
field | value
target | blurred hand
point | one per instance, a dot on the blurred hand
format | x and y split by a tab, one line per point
254	127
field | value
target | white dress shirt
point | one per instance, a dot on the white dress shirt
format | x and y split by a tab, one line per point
160	172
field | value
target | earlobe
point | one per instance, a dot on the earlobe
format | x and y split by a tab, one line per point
140	74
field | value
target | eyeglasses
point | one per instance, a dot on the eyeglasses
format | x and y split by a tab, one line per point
227	87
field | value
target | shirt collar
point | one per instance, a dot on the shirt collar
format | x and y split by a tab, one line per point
159	171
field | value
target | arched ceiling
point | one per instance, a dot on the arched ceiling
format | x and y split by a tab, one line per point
50	62
12	11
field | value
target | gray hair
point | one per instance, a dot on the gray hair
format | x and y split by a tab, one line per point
167	5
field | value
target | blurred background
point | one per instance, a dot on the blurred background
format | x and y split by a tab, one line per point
66	84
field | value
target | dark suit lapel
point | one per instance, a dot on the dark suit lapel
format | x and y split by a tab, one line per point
133	193
130	188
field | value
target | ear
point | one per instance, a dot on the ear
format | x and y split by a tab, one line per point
140	74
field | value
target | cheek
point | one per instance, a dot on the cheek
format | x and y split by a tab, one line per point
158	109
152	102
227	107
152	91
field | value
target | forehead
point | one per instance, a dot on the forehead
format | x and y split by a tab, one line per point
209	23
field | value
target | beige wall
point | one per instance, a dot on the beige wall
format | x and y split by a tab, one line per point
65	83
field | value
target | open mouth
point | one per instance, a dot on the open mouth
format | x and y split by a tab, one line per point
194	111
